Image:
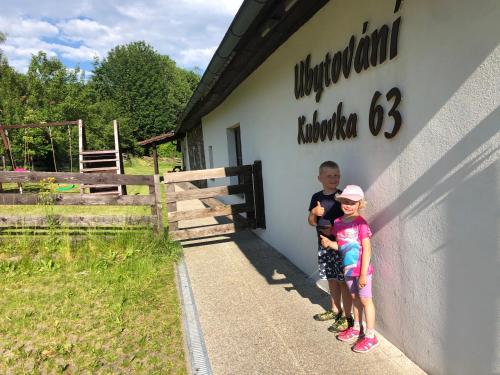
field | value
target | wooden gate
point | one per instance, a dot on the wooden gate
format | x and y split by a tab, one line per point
249	186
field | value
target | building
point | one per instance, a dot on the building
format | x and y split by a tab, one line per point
405	97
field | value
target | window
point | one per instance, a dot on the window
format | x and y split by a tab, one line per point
234	151
210	157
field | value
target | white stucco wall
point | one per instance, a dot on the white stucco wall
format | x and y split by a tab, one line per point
432	190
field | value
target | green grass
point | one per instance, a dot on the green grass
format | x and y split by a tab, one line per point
95	304
89	301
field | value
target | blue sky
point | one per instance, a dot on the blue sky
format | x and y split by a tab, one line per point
189	31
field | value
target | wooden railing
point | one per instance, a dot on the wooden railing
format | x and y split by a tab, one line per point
251	189
153	200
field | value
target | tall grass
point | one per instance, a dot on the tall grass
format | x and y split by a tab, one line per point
91	304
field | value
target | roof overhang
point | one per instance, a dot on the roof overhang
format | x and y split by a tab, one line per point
159	139
257	30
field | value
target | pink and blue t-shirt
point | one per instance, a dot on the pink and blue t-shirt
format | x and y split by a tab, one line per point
349	237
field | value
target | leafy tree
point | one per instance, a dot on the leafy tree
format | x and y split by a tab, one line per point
133	77
48	92
2	40
168	150
148	89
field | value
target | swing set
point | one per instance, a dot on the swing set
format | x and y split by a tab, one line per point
28	159
103	161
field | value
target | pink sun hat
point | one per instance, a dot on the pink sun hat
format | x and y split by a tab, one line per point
351	192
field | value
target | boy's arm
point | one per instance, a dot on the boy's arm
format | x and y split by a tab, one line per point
316	211
365	261
312	219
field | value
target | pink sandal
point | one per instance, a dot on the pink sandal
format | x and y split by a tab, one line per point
365	345
349	334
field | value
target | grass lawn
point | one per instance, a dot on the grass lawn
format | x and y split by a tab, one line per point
95	305
91	303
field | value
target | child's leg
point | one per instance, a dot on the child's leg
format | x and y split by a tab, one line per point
325	273
353	332
365	295
370	341
369	309
358	311
335	295
346	299
352	298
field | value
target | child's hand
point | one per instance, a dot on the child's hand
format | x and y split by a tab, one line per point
318	210
362	281
327	243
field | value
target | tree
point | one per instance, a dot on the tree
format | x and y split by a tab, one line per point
48	92
2	40
148	89
135	85
181	86
133	77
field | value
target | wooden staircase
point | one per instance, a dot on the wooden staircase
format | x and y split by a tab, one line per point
100	161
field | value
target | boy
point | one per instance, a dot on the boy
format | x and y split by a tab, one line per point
323	210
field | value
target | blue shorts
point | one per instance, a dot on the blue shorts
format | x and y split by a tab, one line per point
330	264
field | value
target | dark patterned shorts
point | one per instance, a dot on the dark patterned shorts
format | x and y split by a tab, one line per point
330	264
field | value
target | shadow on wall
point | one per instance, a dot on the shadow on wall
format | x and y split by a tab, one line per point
433	185
472	273
472	277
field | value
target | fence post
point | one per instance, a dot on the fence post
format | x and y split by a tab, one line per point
258	193
156	208
249	199
172	206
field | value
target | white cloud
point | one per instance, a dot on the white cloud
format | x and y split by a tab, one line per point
91	33
21	65
80	29
77	54
27	27
188	31
195	57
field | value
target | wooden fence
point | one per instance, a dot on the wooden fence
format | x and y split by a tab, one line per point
251	189
153	200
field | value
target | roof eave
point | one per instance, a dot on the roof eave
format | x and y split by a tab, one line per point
257	30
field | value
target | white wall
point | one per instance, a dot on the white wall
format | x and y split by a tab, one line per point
433	189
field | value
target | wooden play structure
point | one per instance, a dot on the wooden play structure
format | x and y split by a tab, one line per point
90	161
100	161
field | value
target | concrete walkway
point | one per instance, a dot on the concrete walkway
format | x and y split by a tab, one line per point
256	308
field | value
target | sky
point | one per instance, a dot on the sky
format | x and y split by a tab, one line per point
76	31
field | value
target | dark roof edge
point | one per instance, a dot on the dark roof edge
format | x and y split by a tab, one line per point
258	29
223	55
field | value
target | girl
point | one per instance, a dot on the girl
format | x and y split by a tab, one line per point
353	242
